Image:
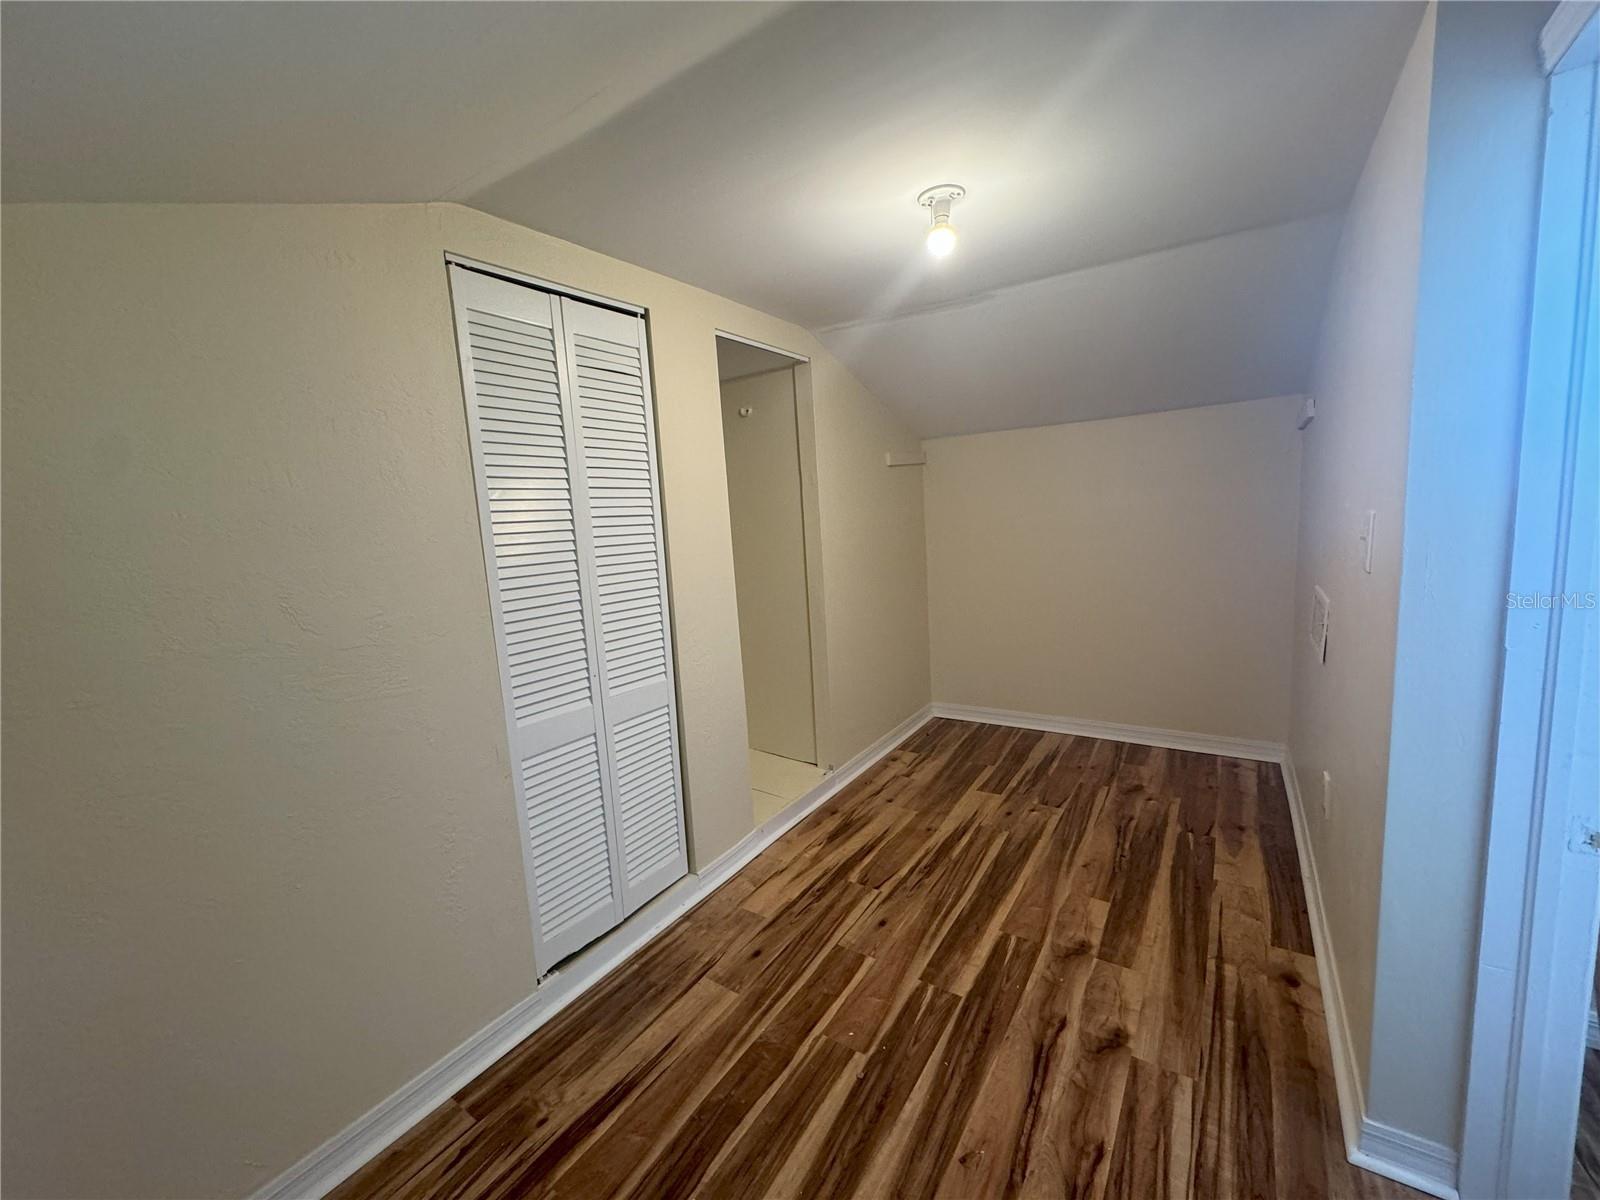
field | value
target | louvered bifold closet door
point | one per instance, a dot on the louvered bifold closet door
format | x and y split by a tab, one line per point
537	545
616	430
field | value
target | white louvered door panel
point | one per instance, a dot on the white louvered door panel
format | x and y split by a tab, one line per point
616	433
534	518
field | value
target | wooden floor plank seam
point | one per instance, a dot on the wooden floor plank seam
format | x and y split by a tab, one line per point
1001	963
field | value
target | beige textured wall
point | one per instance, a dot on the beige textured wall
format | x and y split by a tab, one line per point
1355	460
762	451
260	863
875	572
1488	109
1135	570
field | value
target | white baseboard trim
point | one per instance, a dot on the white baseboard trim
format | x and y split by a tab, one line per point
1346	1071
1369	1144
353	1147
1408	1159
1139	735
758	839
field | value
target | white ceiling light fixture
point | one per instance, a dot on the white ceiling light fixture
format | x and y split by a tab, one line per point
938	201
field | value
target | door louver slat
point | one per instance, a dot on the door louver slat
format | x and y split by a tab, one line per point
564	453
647	808
544	492
563	788
618	462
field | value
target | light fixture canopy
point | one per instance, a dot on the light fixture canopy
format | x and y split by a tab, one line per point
938	200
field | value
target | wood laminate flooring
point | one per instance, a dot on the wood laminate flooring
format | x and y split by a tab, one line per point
1586	1156
1001	963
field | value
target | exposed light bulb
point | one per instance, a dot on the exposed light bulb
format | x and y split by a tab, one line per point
941	235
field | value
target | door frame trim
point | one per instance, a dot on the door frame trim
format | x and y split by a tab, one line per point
1526	1046
544	285
811	536
759	345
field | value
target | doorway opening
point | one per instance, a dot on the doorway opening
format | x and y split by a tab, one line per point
770	453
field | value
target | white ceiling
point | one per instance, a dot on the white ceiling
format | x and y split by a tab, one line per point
1232	318
784	171
323	102
773	154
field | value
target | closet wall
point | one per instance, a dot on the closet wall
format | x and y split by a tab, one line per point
255	765
762	449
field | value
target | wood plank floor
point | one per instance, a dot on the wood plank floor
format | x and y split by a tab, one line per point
1586	1157
1002	963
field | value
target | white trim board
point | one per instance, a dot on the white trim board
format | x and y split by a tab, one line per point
767	346
543	285
775	826
364	1139
1561	33
1406	1158
1346	1071
1369	1144
1537	920
1139	735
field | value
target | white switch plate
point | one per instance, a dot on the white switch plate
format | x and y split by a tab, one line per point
1327	794
1369	530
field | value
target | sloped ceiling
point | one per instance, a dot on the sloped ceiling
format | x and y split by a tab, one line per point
1140	175
1232	318
323	102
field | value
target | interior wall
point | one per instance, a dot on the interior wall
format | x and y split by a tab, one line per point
874	570
1479	231
1355	461
1419	382
762	448
1135	570
254	764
